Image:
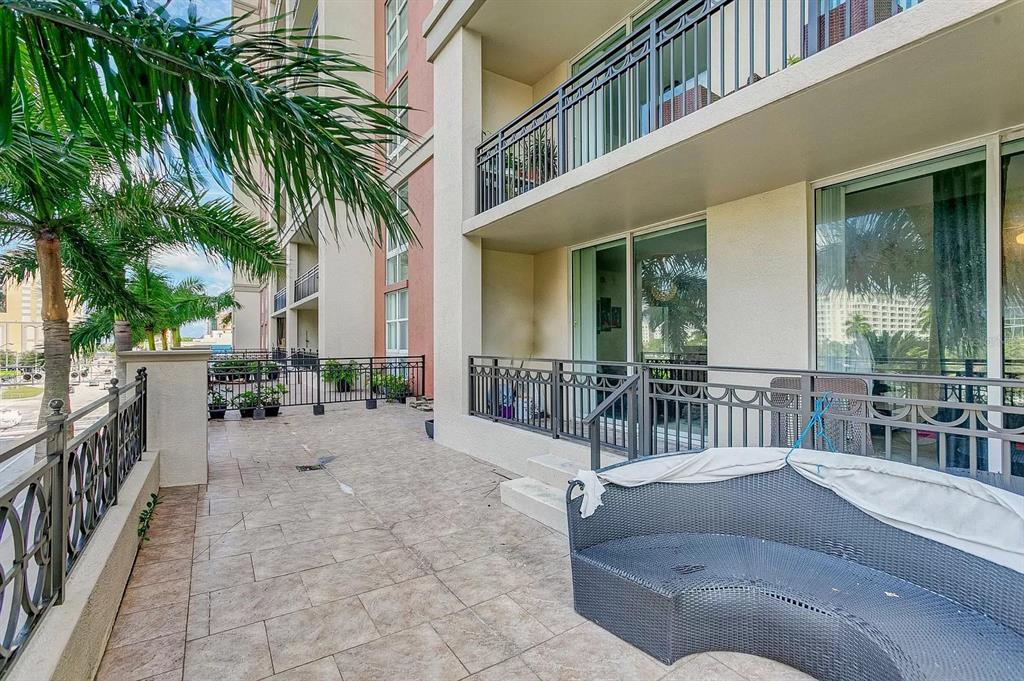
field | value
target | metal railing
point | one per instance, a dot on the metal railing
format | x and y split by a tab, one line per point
307	283
50	510
271	383
281	299
691	54
637	409
263	353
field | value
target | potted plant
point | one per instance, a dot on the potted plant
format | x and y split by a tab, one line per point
217	404
229	370
263	370
393	387
268	397
343	376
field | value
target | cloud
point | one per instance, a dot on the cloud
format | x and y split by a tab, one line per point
187	263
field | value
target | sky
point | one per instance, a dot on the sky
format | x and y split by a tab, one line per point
182	265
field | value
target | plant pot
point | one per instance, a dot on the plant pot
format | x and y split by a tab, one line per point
428	425
246	412
371	403
217	413
272	410
342	386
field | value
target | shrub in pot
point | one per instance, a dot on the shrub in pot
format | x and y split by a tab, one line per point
217	404
393	387
268	397
343	376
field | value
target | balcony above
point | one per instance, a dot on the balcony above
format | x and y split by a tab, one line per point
843	93
307	284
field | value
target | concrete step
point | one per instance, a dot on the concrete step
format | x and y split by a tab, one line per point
552	469
544	503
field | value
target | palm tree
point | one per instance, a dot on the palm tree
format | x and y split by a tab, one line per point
105	227
160	305
857	325
86	85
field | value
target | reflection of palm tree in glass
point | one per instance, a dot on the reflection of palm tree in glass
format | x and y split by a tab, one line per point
857	325
677	285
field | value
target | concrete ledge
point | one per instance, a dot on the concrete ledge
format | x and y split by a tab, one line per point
70	639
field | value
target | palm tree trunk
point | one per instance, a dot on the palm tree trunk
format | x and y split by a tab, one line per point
176	336
122	343
56	335
150	339
163	340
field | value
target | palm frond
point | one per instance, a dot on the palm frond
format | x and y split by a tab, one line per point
237	93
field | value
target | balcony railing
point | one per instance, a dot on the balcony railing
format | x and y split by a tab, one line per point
53	507
688	56
963	422
281	299
308	283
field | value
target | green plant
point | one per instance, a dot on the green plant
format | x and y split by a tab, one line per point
216	400
334	371
146	516
9	373
792	59
392	386
269	396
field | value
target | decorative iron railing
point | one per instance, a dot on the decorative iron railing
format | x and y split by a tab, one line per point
307	283
280	299
263	353
689	55
51	508
973	423
247	384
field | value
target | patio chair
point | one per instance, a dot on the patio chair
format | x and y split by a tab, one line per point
849	437
774	565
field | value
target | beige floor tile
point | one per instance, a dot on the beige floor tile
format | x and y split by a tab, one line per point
219	524
152	573
490	632
309	634
403	564
239	605
221	573
416	654
291	558
155	553
143	660
148	624
321	670
167	676
484	578
299	531
362	543
589	652
404	605
759	668
549	600
341	580
273	516
238	655
161	535
154	595
509	670
198	624
702	667
246	541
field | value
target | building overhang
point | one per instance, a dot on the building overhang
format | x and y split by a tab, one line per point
935	75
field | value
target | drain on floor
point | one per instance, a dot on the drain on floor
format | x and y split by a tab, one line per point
314	467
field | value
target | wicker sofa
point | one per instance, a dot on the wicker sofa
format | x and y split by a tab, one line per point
776	566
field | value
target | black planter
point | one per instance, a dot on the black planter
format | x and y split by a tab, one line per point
217	413
371	403
401	399
272	411
342	386
428	425
246	412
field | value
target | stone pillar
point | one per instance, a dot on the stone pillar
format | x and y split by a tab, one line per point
457	274
176	411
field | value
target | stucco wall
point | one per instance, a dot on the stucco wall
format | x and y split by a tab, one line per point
550	80
307	325
759	255
503	100
551	304
245	319
507	303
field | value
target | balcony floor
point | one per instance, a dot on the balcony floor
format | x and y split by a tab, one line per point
397	562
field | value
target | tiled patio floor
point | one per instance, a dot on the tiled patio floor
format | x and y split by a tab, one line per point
397	563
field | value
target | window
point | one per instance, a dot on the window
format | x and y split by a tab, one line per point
901	270
397	264
396	38
396	322
399	98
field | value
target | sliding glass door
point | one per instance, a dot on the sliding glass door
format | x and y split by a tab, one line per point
599	297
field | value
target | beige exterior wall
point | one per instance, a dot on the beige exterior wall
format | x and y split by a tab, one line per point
503	99
21	320
245	319
551	80
759	287
551	304
507	303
